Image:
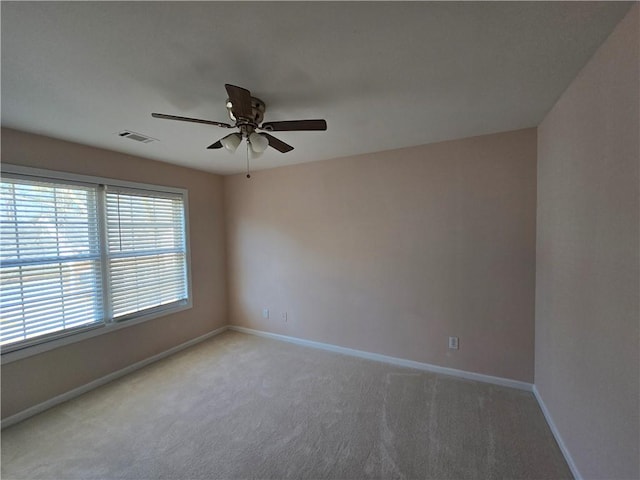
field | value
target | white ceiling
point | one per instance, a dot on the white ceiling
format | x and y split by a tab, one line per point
384	74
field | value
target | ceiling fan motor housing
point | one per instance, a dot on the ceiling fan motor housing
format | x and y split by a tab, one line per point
257	111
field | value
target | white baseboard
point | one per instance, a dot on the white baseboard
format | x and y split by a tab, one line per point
505	382
563	448
76	392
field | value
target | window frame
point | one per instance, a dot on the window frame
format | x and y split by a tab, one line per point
62	338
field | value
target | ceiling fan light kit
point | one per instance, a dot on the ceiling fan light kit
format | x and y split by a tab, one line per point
247	113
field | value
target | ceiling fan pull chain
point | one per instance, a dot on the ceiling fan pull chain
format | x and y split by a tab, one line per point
248	174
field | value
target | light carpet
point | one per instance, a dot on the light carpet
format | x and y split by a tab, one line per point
239	406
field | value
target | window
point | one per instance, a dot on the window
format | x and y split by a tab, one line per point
145	238
78	254
50	256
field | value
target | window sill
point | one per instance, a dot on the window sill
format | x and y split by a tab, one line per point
95	331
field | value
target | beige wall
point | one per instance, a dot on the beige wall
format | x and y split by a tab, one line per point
587	337
395	251
33	380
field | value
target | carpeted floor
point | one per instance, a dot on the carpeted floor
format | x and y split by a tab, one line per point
239	406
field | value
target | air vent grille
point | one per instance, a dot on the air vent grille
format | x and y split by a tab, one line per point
138	137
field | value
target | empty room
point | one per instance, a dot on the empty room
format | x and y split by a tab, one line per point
320	240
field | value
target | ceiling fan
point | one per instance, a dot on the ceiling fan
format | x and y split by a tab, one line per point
247	113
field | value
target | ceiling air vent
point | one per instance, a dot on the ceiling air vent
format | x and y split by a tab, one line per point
138	137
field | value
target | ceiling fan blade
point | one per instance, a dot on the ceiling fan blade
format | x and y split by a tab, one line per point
240	101
215	145
294	125
277	144
194	120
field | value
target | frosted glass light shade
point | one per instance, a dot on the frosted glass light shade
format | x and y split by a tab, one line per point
231	142
258	143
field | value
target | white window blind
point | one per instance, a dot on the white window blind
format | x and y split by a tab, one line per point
50	277
146	250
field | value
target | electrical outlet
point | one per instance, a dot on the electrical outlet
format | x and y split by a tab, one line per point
265	313
284	317
453	343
